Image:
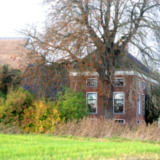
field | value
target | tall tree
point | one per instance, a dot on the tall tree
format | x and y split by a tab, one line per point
9	77
79	28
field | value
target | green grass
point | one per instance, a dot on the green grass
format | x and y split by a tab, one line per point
43	147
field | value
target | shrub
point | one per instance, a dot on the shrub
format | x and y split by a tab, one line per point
2	109
72	105
2	95
41	118
17	101
2	105
9	78
152	106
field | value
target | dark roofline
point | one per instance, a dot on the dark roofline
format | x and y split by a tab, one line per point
139	64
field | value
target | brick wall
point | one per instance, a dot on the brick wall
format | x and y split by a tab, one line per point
130	90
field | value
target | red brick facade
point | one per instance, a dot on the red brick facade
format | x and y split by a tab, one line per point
132	89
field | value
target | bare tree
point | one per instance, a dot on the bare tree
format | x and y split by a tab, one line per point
100	30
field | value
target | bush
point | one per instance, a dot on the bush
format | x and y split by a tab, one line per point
2	95
41	118
2	105
72	105
152	106
9	78
17	101
2	109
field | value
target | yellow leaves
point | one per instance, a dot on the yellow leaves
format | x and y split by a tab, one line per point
42	117
55	111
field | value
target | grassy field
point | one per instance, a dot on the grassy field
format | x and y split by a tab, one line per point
43	147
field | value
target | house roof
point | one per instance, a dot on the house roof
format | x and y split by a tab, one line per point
127	62
138	64
12	51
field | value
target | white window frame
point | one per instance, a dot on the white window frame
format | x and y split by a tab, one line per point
123	102
139	83
120	78
139	104
120	120
96	102
92	86
144	86
143	104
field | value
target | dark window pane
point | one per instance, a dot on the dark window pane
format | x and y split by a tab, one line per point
121	121
92	102
119	82
144	85
91	96
118	103
143	105
91	82
118	106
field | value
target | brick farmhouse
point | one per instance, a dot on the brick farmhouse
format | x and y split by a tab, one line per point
130	87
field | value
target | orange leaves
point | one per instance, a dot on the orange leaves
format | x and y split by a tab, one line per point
42	117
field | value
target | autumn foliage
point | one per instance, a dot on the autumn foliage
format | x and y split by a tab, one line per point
41	117
13	107
21	108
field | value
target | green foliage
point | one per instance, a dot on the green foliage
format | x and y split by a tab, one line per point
72	105
2	95
20	108
2	109
41	117
153	104
17	101
9	78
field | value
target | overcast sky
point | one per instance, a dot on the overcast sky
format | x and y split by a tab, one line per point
16	14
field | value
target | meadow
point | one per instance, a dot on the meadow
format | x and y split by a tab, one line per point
49	147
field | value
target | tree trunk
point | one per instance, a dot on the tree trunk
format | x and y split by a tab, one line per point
107	84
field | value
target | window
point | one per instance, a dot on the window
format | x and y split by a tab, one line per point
139	104
143	104
118	102
121	121
138	122
139	83
91	82
119	82
159	121
144	85
92	102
